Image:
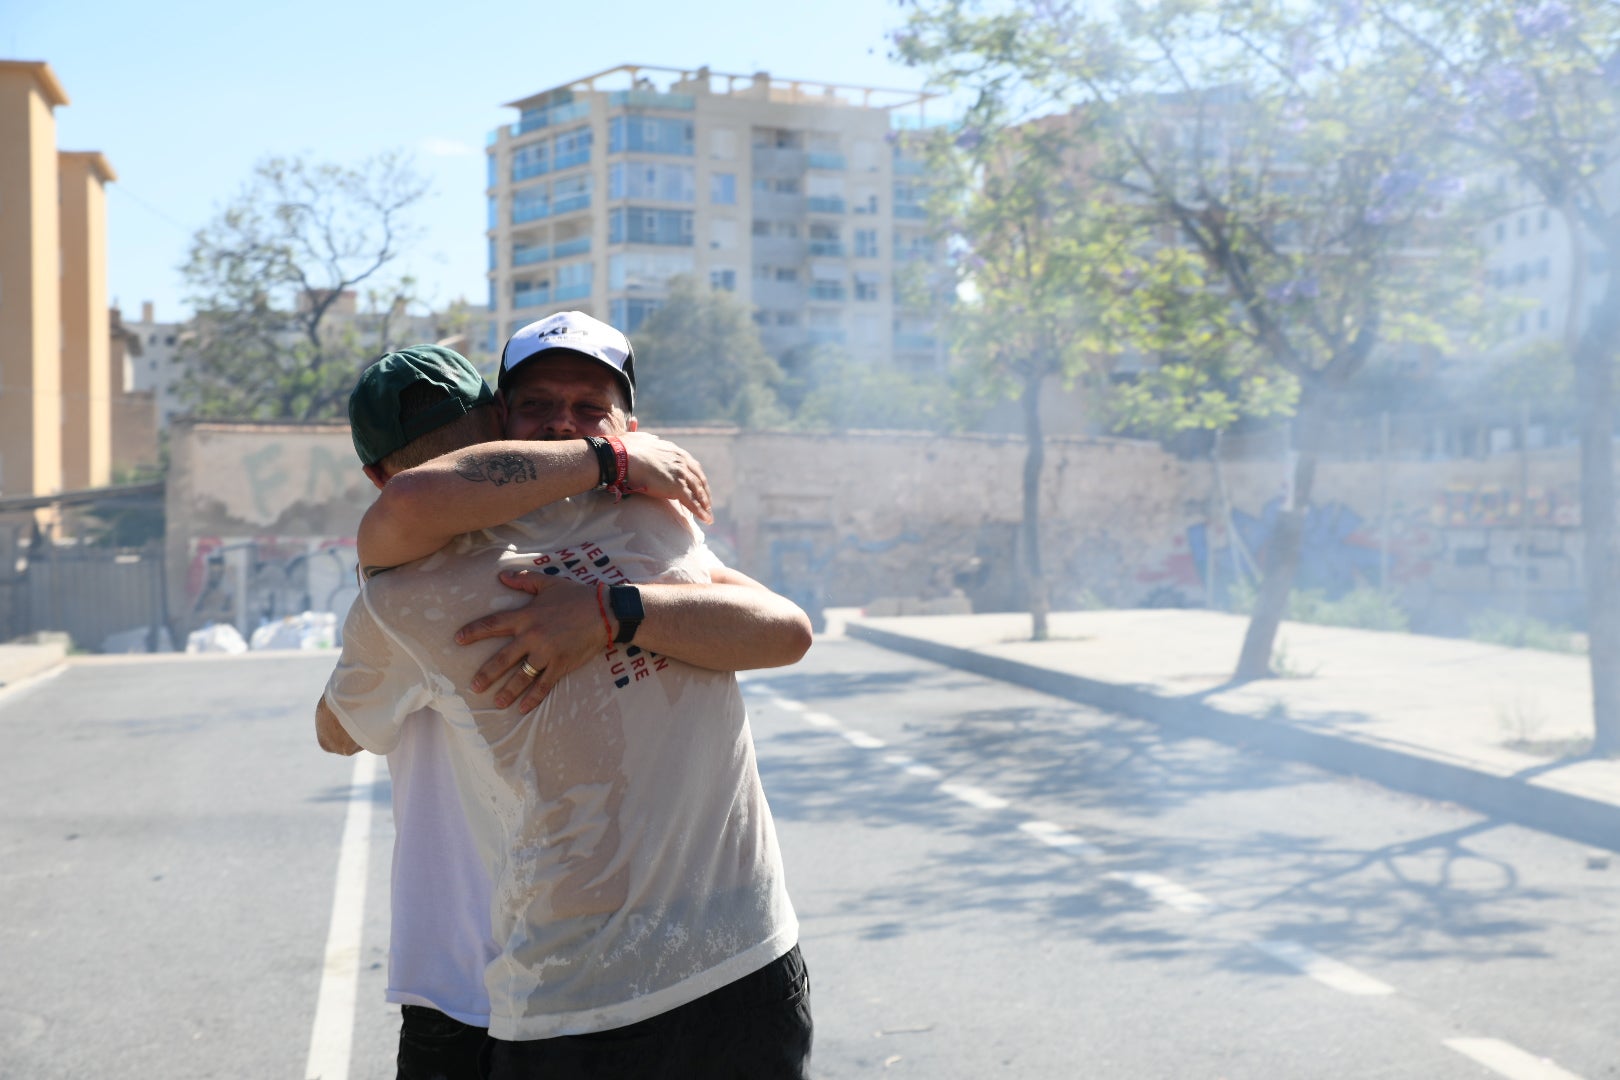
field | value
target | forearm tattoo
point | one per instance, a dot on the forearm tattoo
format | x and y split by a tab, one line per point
496	469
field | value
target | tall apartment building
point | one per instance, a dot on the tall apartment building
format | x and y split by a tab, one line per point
794	195
55	389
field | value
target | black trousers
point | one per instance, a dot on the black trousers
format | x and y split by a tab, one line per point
433	1046
757	1028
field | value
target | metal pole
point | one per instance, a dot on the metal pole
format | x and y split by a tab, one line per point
1524	514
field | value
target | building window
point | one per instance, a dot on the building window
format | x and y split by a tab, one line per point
530	204
638	225
571	193
1545	220
530	161
574	281
628	315
1542	318
572	148
866	286
723	189
723	279
1501	232
650	180
649	135
866	243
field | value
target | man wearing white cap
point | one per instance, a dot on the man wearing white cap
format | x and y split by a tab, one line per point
639	908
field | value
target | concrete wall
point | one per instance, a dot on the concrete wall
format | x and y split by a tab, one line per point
262	520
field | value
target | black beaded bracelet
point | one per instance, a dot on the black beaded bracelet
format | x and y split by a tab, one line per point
607	462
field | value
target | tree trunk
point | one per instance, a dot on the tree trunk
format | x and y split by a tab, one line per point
1034	459
1282	554
1594	387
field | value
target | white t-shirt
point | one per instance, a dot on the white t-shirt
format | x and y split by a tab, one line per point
633	856
438	938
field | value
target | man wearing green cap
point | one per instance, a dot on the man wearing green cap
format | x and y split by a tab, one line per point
681	943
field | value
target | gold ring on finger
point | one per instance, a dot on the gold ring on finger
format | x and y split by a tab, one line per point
529	669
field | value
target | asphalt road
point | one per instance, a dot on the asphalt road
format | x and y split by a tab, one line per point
991	882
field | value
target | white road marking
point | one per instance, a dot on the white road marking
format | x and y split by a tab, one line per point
974	796
923	772
899	761
1323	969
1167	892
863	740
1505	1059
822	720
789	704
1064	840
28	682
333	1031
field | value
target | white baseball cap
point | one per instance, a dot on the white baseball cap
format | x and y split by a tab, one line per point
575	332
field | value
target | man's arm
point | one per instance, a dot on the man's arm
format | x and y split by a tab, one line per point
329	732
420	510
734	624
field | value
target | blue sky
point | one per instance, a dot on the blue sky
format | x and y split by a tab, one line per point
184	97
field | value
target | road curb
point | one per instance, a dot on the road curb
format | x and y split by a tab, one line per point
1510	798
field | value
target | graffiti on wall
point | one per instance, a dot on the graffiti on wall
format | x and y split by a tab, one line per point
1466	539
250	581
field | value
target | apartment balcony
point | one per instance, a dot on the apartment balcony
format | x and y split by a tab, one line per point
571	159
828	290
910	167
833	248
573	292
826	204
778	206
524	298
780	295
825	337
577	246
530	212
769	161
779	250
913	211
528	172
781	338
528	256
825	161
570	203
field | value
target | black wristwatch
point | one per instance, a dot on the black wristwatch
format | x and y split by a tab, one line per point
625	600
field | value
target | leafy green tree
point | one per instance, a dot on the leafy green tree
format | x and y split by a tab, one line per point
1280	144
1534	89
267	278
1004	199
843	394
699	358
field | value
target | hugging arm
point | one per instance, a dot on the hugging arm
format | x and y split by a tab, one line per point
732	624
419	510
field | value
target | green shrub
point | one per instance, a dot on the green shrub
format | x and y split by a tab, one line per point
1364	608
1522	632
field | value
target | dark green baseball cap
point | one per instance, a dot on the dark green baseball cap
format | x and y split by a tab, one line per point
374	405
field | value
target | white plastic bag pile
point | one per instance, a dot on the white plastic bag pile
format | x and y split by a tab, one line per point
309	630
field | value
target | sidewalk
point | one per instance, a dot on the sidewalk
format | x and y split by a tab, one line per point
18	662
1496	729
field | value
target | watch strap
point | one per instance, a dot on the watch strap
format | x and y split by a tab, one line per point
625	603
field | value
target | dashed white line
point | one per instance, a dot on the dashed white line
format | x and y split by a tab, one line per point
1505	1059
789	704
333	1031
923	772
863	740
1167	892
974	796
1059	837
1323	969
822	720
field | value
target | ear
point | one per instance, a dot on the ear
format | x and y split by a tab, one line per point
630	423
375	474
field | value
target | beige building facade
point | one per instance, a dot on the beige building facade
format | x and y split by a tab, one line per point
55	392
794	195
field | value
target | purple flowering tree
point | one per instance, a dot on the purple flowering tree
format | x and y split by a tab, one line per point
1532	89
1266	175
